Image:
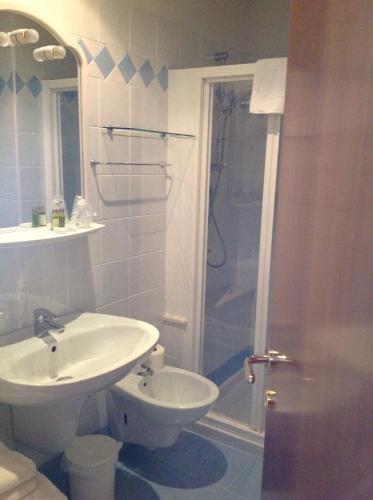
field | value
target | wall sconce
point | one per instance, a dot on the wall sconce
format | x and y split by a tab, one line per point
21	36
49	53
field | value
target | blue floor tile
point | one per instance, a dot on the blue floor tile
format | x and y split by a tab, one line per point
194	468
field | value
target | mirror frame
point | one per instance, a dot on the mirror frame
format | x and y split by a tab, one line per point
69	41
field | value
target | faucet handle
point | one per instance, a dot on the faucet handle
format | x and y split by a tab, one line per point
42	313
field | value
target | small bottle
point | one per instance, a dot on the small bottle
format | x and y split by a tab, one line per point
35	217
58	214
42	216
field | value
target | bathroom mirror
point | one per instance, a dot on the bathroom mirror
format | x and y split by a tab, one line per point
39	120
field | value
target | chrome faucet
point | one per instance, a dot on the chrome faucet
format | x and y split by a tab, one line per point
44	321
146	369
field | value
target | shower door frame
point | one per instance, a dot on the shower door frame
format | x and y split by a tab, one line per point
254	432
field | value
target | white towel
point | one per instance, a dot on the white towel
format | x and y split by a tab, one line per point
15	469
268	95
24	490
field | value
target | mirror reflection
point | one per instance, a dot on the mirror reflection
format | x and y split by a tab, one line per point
39	120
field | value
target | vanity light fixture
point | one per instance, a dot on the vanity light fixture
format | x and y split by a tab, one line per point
4	39
49	53
22	36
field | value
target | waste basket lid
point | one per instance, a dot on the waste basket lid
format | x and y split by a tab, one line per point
91	451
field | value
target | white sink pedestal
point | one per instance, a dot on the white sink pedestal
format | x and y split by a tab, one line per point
49	427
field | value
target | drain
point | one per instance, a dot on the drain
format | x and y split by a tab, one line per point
60	379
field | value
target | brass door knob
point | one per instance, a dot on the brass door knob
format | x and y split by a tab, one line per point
269	399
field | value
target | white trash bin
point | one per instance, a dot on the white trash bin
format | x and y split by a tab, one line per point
90	462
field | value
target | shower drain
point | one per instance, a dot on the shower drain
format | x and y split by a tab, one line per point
60	379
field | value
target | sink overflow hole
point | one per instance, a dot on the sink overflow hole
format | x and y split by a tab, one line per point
54	348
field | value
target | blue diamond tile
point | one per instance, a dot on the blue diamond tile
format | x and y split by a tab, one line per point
10	82
87	54
68	96
127	68
105	62
2	84
147	73
18	81
34	85
163	78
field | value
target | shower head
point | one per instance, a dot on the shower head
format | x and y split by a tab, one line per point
218	57
221	57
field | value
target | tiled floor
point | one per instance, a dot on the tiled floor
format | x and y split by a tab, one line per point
195	468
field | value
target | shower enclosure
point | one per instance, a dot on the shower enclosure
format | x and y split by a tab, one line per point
217	274
237	154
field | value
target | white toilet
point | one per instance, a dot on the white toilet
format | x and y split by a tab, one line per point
151	410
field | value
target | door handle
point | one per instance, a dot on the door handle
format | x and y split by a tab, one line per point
269	360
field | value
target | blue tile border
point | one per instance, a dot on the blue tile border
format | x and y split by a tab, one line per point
16	84
126	66
105	62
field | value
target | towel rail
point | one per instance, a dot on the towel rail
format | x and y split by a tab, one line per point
162	164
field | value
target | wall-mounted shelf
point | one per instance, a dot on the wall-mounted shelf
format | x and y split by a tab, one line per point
161	133
20	236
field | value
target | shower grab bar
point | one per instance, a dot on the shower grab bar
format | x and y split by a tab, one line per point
162	164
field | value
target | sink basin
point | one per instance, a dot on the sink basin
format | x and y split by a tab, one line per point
94	352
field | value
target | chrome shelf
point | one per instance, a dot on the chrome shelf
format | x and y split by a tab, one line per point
161	133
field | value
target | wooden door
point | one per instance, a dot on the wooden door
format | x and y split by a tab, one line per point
319	435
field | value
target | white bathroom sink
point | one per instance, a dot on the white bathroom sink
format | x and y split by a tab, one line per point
94	352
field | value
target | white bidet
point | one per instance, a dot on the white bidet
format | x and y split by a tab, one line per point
151	410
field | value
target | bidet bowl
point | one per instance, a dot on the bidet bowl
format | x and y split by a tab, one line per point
94	352
171	396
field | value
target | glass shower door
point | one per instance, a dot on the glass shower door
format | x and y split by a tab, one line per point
238	152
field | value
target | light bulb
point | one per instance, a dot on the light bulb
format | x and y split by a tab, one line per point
49	53
23	36
4	39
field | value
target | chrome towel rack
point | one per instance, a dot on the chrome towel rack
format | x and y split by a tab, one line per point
161	164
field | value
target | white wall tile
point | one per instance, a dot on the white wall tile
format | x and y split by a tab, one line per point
32	183
81	296
9	265
143	33
114	22
148	234
119	308
92	94
115	281
148	306
8	149
8	184
168	43
115	196
114	104
148	194
115	240
38	260
191	50
115	149
29	151
149	149
147	272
